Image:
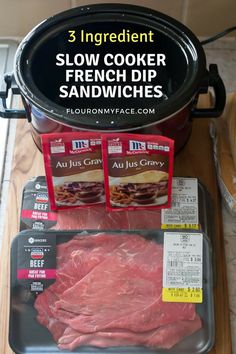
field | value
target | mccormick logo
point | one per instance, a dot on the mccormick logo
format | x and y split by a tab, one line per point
137	145
37	253
41	198
80	144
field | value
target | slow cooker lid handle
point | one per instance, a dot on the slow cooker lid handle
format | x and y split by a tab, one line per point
213	80
7	83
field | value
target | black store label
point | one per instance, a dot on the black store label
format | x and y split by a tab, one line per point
36	261
36	213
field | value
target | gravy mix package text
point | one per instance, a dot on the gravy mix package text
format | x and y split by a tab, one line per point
138	171
73	167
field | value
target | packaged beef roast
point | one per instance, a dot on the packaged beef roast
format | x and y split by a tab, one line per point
191	208
111	291
138	171
73	167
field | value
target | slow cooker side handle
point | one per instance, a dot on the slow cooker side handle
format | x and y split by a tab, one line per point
214	81
7	83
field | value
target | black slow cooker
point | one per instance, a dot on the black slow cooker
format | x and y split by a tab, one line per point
38	80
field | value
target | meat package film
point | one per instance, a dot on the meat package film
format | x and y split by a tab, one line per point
100	292
36	213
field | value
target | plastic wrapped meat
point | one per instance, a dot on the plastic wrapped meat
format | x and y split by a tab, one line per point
98	218
108	292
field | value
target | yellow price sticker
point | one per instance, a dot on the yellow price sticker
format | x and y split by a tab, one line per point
192	295
180	226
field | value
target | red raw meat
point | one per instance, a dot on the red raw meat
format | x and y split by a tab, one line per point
94	316
83	253
97	218
108	293
45	316
164	337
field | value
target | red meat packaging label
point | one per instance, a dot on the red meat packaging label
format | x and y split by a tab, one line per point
36	212
138	171
74	172
36	261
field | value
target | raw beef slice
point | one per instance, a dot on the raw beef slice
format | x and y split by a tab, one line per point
97	218
108	293
164	336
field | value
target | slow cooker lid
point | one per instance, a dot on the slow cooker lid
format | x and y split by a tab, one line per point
40	79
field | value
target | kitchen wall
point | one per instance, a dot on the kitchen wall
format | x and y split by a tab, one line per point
204	17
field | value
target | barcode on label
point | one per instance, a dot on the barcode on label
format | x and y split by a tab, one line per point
175	204
175	264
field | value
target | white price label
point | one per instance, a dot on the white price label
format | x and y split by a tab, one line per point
182	262
184	210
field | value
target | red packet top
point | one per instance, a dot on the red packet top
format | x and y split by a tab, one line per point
73	167
138	171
